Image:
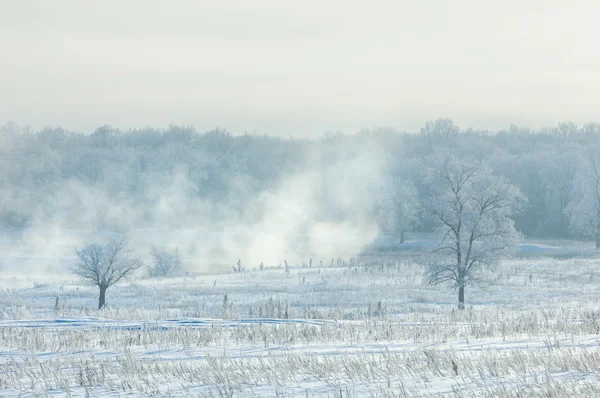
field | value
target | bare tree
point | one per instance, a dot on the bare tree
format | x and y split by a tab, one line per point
471	210
557	176
565	130
584	211
398	206
165	263
104	265
441	133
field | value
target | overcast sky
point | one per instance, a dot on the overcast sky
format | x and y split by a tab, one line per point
298	68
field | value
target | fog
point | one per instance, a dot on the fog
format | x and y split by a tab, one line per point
278	198
220	198
235	131
208	195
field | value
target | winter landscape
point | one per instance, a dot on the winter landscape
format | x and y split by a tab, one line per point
321	199
413	278
367	329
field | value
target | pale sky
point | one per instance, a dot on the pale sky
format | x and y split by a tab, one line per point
298	68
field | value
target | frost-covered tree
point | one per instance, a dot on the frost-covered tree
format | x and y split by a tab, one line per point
565	130
178	177
441	133
471	210
558	174
584	211
165	262
105	264
398	207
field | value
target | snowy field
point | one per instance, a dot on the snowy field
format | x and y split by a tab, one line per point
362	327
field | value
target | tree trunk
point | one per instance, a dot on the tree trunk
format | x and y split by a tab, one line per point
102	298
597	240
461	297
402	236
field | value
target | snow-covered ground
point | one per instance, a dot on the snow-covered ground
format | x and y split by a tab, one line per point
364	327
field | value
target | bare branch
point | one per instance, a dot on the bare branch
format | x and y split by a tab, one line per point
104	264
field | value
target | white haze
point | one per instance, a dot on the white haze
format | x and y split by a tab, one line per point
320	212
298	69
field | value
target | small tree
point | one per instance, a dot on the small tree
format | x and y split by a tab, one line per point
471	210
558	175
165	263
104	265
398	207
584	211
440	133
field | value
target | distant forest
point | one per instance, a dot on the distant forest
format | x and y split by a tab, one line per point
100	179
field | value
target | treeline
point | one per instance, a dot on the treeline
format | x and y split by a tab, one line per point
556	168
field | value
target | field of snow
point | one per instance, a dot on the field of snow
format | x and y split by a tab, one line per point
362	327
